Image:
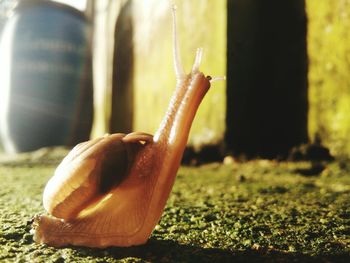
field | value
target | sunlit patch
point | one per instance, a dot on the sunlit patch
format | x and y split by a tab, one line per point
95	206
142	142
78	4
5	82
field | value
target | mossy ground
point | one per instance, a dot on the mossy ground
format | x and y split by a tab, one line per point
258	211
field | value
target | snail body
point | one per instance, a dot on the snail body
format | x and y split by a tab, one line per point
111	191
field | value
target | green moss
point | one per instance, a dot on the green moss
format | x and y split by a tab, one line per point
329	49
249	212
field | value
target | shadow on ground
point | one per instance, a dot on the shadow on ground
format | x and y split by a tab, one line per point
170	251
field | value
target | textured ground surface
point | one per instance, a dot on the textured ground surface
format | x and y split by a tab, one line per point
251	212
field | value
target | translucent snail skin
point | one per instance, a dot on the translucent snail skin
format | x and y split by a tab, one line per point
111	191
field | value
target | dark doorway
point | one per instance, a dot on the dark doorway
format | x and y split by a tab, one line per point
266	77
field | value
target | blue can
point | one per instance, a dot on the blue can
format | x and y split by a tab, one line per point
45	77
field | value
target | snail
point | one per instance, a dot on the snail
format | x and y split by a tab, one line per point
111	191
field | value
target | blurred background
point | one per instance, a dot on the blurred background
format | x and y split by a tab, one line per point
71	70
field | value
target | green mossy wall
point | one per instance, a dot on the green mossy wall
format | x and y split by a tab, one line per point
329	73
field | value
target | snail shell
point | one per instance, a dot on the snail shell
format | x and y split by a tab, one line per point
94	197
90	171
